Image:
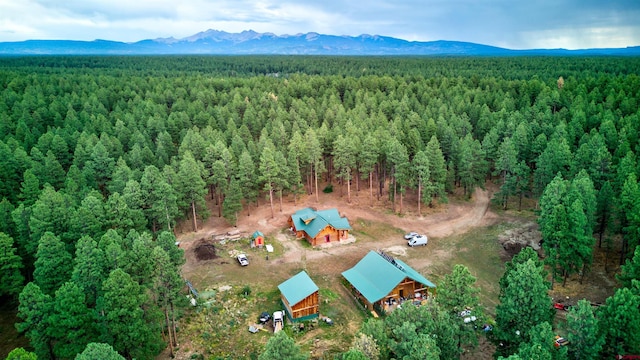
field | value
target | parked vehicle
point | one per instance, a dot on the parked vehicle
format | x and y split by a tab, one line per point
242	259
469	319
418	240
560	341
410	235
264	317
278	321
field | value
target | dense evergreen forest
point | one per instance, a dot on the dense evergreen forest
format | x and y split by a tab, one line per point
100	157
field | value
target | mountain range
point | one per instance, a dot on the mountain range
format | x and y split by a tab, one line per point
214	42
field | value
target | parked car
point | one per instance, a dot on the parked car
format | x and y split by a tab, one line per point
410	235
560	306
560	341
418	240
242	259
264	317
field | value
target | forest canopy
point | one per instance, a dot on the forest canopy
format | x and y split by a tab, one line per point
102	156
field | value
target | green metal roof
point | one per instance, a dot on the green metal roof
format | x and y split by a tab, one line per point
375	276
312	222
298	288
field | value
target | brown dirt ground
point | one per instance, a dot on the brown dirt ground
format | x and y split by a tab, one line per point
438	222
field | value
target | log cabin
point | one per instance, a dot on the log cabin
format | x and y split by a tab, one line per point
300	297
380	282
319	227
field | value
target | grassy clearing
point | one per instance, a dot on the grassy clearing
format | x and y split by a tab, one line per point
372	231
221	331
479	251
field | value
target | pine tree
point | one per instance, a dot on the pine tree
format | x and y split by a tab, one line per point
53	264
232	202
524	303
506	165
50	213
604	210
34	310
269	171
100	351
553	222
30	188
630	270
89	218
399	160
281	346
344	158
314	150
425	187
166	288
540	345
583	332
457	291
191	188
11	278
619	322
124	317
88	272
159	199
72	324
368	158
247	178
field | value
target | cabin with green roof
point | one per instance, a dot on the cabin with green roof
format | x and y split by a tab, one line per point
319	227
300	297
379	281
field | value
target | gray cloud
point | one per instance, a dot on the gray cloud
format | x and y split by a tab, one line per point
507	23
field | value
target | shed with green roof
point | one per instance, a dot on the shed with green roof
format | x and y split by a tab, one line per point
319	226
300	297
379	280
257	239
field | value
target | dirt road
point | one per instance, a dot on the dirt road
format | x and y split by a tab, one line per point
445	221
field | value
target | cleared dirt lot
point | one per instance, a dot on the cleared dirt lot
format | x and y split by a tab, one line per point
444	220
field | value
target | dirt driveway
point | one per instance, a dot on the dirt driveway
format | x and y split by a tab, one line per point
440	222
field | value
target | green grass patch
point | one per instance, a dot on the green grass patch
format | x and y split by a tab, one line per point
328	294
374	230
479	251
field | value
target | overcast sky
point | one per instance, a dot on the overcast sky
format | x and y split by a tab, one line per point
514	24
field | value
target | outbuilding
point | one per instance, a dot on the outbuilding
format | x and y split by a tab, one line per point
381	282
300	297
257	239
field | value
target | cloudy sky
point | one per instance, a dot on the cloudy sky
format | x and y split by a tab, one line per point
514	24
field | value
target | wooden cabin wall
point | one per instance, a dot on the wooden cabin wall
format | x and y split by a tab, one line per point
308	306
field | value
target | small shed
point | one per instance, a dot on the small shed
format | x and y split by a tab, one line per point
258	239
300	297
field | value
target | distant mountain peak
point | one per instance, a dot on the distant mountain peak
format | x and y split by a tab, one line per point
218	42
